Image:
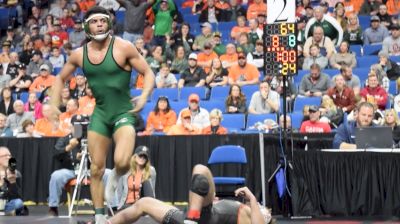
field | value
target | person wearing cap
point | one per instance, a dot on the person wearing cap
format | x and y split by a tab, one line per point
376	33
209	12
11	36
243	73
256	8
353	33
215	127
386	67
206	56
219	48
107	62
230	58
44	80
34	32
164	78
314	125
194	75
139	181
326	46
391	43
205	36
331	27
58	36
77	36
161	119
33	68
199	117
264	101
21	82
185	126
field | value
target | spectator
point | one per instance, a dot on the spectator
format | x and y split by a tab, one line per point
235	10
11	37
353	33
338	14
11	179
77	36
12	66
46	79
291	89
315	58
330	113
5	51
161	119
66	117
239	28
383	15
230	58
80	89
301	25
26	53
6	102
3	127
257	56
289	127
206	56
345	133
342	95
37	61
236	100
392	7
185	127
58	36
315	83
183	38
370	8
205	36
87	103
331	28
313	125
376	33
14	120
343	57
373	93
139	181
391	44
245	44
135	16
396	101
219	47
180	62
210	13
164	78
264	101
4	78
56	59
194	75
28	128
350	79
255	32
140	46
386	67
215	127
256	8
56	9
243	73
262	19
110	5
156	58
48	126
34	106
392	120
66	20
325	44
85	5
218	76
198	115
165	12
21	82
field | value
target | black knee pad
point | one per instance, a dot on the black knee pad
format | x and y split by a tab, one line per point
200	185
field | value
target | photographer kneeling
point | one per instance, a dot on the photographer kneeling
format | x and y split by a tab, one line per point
10	182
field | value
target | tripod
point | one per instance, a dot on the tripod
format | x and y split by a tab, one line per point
82	175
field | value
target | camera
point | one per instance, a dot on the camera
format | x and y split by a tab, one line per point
80	123
12	164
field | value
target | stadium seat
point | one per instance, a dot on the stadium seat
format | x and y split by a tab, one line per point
24	97
171	93
148	107
300	102
393	88
366	61
248	90
362	73
219	92
331	72
357	49
120	16
296	119
372	49
135	92
213	104
56	70
234	122
178	106
254	118
364	21
186	91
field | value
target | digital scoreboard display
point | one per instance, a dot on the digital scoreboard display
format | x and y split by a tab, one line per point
280	47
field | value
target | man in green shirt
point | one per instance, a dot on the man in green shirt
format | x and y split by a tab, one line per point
219	48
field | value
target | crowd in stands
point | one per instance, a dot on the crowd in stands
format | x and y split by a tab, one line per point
348	52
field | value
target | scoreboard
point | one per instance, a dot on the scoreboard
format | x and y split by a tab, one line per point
280	49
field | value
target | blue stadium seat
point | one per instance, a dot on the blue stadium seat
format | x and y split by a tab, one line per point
372	49
299	76
296	119
186	11
362	73
177	76
393	88
248	90
254	118
186	91
366	61
148	107
78	71
213	104
395	58
135	92
364	21
234	122
56	70
219	92
120	16
178	106
356	49
331	72
300	102
226	26
192	19
171	93
24	96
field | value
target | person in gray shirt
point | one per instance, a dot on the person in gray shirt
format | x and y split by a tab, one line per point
315	83
14	120
77	36
4	78
264	101
376	33
36	61
135	16
351	80
391	44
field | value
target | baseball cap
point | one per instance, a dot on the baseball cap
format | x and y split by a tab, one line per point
375	18
313	108
6	43
206	24
194	97
44	67
36	52
77	20
142	150
185	114
241	55
22	66
217	34
10	28
394	27
193	56
301	19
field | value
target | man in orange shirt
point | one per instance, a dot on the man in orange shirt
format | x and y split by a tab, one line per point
241	27
48	126
65	118
44	80
230	58
4	56
185	127
204	58
258	7
243	73
87	103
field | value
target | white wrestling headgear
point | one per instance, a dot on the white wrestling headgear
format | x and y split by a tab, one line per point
98	37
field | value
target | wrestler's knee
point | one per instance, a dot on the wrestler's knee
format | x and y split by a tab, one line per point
97	171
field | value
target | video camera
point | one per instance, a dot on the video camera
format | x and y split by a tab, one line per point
80	123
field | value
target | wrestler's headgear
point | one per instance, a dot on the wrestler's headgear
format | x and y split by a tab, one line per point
97	11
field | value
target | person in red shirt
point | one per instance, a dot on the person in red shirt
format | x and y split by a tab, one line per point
374	93
58	36
314	125
342	95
